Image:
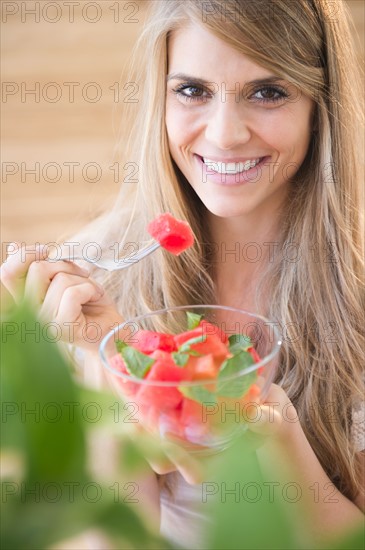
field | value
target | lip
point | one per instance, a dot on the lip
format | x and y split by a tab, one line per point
251	175
229	159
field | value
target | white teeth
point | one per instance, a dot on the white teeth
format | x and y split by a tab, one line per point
230	167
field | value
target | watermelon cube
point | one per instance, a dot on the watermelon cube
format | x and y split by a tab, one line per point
191	412
209	328
149	341
212	343
173	235
165	356
203	368
163	397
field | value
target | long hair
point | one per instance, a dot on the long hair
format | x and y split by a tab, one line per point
318	295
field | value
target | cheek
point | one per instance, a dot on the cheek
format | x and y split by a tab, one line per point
176	137
299	127
173	127
290	136
181	125
292	142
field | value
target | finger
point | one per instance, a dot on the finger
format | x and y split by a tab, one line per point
263	419
73	299
162	466
14	270
153	454
189	467
41	274
58	285
175	458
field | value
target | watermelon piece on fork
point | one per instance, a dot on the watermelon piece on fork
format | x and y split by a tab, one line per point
173	235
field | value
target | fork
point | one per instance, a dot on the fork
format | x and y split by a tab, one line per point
110	264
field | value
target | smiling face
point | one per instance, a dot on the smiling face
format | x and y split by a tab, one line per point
236	131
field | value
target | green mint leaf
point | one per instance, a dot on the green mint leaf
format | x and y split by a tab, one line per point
137	363
236	387
185	347
193	320
180	359
238	343
119	344
195	353
198	393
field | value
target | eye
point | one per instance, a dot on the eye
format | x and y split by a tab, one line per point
269	94
191	92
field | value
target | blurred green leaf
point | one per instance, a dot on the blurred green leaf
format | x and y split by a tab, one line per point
238	386
186	346
180	359
39	388
52	496
239	342
119	344
193	319
137	363
245	516
354	540
199	394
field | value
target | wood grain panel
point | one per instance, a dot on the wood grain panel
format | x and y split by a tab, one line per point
82	131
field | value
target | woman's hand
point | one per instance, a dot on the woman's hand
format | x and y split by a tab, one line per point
267	422
62	293
177	459
271	420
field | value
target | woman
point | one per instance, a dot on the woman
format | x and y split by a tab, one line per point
248	128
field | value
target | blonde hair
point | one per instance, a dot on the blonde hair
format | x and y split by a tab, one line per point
321	294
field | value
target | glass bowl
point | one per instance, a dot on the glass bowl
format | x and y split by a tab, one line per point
207	412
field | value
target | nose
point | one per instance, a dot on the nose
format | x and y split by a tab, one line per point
227	125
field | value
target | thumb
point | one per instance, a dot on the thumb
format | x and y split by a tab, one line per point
189	466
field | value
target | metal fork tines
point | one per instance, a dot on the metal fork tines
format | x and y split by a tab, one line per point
110	264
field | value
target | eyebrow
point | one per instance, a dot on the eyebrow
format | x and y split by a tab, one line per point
202	81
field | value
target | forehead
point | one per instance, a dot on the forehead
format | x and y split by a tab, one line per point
194	50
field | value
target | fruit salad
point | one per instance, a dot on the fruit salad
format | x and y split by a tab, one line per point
181	382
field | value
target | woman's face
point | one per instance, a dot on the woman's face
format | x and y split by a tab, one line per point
237	132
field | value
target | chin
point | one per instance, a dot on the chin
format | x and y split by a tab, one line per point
226	210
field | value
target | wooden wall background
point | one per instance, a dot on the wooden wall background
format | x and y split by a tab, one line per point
52	133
